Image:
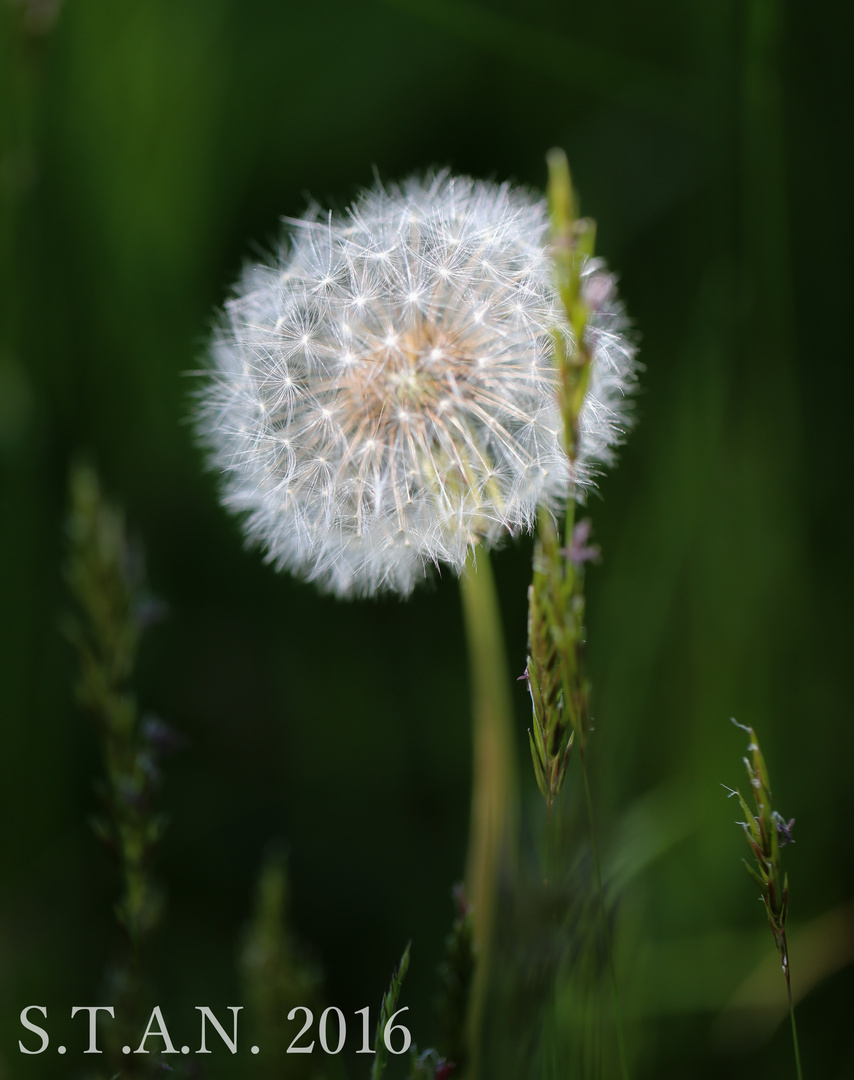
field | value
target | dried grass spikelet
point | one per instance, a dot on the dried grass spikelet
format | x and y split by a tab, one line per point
382	398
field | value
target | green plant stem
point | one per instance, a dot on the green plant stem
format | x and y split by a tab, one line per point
794	1028
492	838
624	1067
550	854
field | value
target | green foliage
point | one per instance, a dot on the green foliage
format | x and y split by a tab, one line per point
277	977
548	1012
387	1010
456	973
103	579
105	576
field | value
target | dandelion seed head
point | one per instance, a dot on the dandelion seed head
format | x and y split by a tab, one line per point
383	397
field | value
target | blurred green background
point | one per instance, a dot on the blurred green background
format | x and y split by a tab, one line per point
146	150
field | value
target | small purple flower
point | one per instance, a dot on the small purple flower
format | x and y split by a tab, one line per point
580	551
150	610
784	829
462	901
160	737
598	290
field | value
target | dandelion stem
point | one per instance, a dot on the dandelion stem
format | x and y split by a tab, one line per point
492	839
624	1068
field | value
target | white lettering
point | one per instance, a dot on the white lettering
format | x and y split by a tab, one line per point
208	1015
93	1011
160	1030
34	1027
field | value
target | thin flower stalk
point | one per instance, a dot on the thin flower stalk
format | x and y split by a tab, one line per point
766	831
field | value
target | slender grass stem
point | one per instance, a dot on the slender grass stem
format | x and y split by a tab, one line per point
492	840
550	852
624	1067
794	1027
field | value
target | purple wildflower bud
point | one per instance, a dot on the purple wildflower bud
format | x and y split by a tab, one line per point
597	290
161	737
133	562
147	764
137	797
462	901
150	610
581	552
784	829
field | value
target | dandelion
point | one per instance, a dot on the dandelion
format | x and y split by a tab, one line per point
383	397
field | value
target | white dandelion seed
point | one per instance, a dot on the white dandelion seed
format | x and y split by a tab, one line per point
383	398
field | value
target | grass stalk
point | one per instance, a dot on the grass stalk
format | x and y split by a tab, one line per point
766	832
794	1028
